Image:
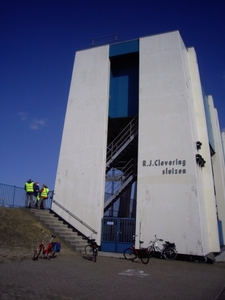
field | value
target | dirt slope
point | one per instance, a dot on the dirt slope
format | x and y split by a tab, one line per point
20	234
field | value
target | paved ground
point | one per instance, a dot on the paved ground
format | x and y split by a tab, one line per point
72	276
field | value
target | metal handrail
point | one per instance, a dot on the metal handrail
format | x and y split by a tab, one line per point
128	176
106	39
127	134
75	217
14	196
129	180
125	173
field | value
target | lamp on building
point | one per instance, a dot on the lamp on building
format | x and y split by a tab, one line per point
198	145
202	164
200	160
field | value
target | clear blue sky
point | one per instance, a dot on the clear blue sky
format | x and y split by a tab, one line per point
38	41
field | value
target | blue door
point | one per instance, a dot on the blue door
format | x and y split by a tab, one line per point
117	234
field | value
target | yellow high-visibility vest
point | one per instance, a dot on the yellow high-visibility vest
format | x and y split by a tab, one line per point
44	193
29	187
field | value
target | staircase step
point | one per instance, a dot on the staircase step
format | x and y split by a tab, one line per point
79	248
75	237
42	212
63	230
78	243
57	226
74	241
51	221
47	217
66	234
55	221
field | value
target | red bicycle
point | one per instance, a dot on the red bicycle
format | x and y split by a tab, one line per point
47	252
132	253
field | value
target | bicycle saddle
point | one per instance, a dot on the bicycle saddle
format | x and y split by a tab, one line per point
53	236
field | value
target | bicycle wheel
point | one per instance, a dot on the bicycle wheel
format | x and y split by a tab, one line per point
151	251
170	253
89	251
129	254
37	252
144	256
95	253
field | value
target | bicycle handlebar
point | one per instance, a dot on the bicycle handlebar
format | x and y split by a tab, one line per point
156	239
161	240
53	236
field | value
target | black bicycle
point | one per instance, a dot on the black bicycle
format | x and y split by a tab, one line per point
168	249
91	249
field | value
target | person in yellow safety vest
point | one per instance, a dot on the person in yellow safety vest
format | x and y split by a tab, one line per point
43	196
29	188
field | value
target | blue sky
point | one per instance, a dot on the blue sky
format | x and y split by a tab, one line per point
38	41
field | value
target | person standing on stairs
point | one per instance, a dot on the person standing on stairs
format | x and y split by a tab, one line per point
43	196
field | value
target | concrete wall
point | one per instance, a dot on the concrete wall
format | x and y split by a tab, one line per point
207	202
80	179
223	143
218	165
170	192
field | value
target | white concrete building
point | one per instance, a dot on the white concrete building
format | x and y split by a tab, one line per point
141	151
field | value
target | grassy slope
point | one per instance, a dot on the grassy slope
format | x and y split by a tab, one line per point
20	234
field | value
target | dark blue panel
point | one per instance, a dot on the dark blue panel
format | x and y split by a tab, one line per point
108	247
124	48
118	105
124	85
116	233
220	229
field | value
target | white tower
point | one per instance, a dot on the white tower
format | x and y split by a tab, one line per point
137	107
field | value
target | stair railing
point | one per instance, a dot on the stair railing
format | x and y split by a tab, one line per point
75	217
125	136
128	175
124	173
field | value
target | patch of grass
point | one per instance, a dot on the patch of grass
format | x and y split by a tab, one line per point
20	233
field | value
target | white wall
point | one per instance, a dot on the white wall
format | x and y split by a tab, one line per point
218	165
169	205
218	162
223	143
205	181
80	179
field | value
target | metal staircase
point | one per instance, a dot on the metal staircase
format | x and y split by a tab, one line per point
129	175
122	155
122	145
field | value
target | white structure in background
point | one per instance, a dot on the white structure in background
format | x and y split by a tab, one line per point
177	198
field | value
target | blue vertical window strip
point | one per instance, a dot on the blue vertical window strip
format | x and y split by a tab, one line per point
124	79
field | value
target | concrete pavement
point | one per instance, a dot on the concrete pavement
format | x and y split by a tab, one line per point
72	276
